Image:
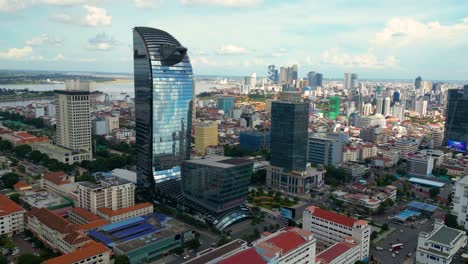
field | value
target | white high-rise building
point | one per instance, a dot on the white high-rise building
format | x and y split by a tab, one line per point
367	109
398	111
386	106
421	107
73	118
459	206
112	192
350	81
379	106
330	228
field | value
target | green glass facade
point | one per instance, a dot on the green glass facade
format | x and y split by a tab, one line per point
226	104
288	135
216	183
334	107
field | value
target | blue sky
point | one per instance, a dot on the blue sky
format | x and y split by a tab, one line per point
376	39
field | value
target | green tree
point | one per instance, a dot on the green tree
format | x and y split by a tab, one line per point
123	259
451	221
433	192
401	171
194	243
36	156
385	227
29	259
10	179
5	146
3	259
22	151
15	198
374	235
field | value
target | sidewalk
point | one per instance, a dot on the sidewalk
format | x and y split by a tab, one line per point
384	235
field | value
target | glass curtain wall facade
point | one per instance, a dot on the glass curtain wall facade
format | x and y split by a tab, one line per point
163	103
217	183
456	116
289	135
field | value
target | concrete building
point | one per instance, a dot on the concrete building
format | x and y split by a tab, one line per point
113	216
344	252
12	217
440	245
24	138
59	183
45	199
330	228
370	121
324	150
288	245
420	165
459	206
54	231
350	81
295	182
91	252
206	134
232	177
73	119
421	107
406	146
112	192
367	109
159	235
63	154
354	170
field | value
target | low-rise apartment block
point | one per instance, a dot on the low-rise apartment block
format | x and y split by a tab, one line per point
11	217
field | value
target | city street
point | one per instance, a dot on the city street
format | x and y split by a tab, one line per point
403	234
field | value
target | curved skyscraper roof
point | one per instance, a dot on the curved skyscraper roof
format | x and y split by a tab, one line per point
163	102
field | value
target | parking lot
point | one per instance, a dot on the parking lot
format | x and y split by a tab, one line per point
405	235
23	246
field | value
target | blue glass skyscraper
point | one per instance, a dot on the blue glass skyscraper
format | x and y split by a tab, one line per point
226	103
163	103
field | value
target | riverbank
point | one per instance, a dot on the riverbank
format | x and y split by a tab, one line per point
32	98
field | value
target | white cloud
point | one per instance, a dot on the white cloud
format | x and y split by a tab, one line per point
337	57
14	5
59	57
231	50
87	60
96	16
63	18
43	39
101	42
16	53
148	3
228	3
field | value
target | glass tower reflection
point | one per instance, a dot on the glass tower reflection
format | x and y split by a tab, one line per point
163	103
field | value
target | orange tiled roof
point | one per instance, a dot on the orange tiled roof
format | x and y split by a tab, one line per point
93	225
87	215
111	212
52	220
21	185
7	206
331	216
88	250
56	177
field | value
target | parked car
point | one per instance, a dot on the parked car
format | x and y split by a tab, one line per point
379	248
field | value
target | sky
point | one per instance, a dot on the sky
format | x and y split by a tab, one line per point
394	39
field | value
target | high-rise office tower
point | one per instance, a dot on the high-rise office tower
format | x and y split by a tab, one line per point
386	106
206	134
396	96
288	135
273	74
73	116
294	74
398	111
251	80
367	109
217	183
379	106
334	107
417	83
456	121
350	80
163	102
314	79
226	103
421	107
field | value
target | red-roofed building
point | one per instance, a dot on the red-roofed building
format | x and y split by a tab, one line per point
92	252
125	213
58	182
21	186
55	231
12	216
249	256
330	228
22	137
345	252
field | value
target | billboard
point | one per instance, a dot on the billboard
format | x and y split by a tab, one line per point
457	145
287	213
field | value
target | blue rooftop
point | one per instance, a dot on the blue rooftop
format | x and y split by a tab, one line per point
426	182
122	224
422	206
403	216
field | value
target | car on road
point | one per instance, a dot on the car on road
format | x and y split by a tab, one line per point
186	257
378	248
